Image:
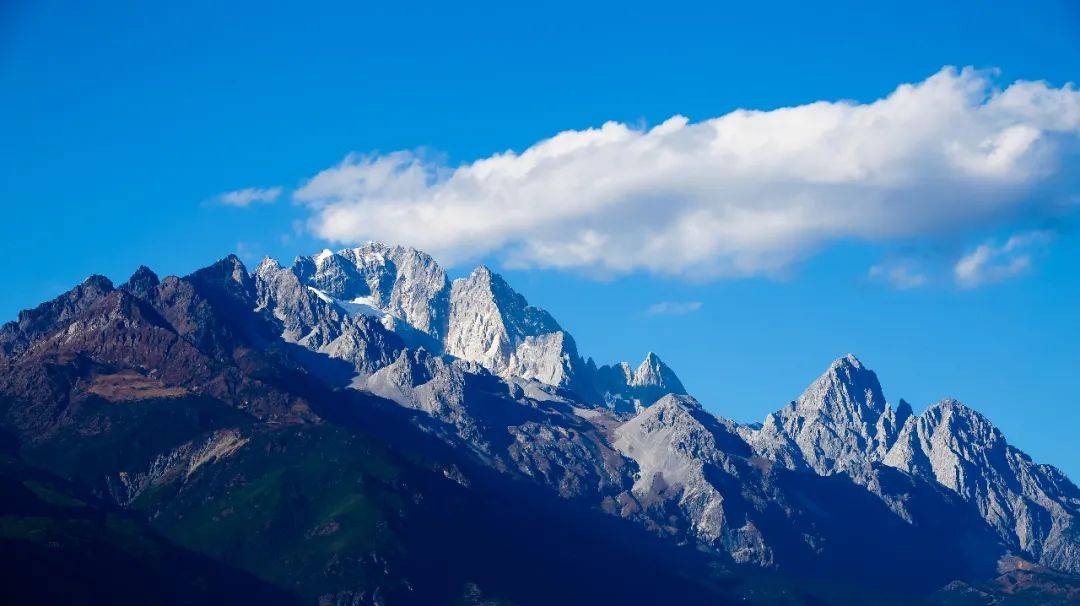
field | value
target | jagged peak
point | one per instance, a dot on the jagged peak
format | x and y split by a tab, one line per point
953	416
651	362
229	273
268	264
850	371
950	404
236	266
98	282
516	309
847	389
652	371
230	265
378	253
141	282
484	276
373	245
676	400
481	274
846	361
144	273
955	407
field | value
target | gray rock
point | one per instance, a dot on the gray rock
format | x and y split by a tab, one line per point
309	320
495	326
1034	507
840	422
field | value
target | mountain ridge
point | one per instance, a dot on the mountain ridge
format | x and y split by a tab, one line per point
149	390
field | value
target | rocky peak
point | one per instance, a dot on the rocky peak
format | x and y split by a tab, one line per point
847	391
652	372
33	324
686	461
333	274
1030	505
142	282
622	388
490	323
936	442
835	425
228	277
268	264
400	281
94	283
520	317
903	411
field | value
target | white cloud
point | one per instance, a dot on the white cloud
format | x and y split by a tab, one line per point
747	193
673	308
902	274
990	263
249	195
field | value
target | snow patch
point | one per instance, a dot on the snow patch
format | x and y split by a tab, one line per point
322	295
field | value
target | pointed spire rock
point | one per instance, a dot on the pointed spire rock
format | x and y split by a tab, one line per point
652	372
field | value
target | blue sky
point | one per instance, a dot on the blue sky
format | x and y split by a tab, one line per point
122	126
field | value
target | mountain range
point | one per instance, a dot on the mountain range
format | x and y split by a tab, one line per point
356	428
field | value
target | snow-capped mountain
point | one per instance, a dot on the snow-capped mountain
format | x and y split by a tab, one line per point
478	318
170	396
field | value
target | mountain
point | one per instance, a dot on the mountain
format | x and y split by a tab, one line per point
842	424
493	325
839	422
357	428
479	318
1034	507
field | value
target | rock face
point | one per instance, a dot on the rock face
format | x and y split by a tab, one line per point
623	388
173	391
679	450
479	318
842	424
1034	507
507	427
311	320
495	326
839	422
403	282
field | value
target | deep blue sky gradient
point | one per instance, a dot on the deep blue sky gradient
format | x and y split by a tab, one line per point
119	125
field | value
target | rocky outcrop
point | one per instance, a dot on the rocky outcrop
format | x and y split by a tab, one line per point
679	450
842	424
311	320
400	281
1034	507
839	422
493	325
623	388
